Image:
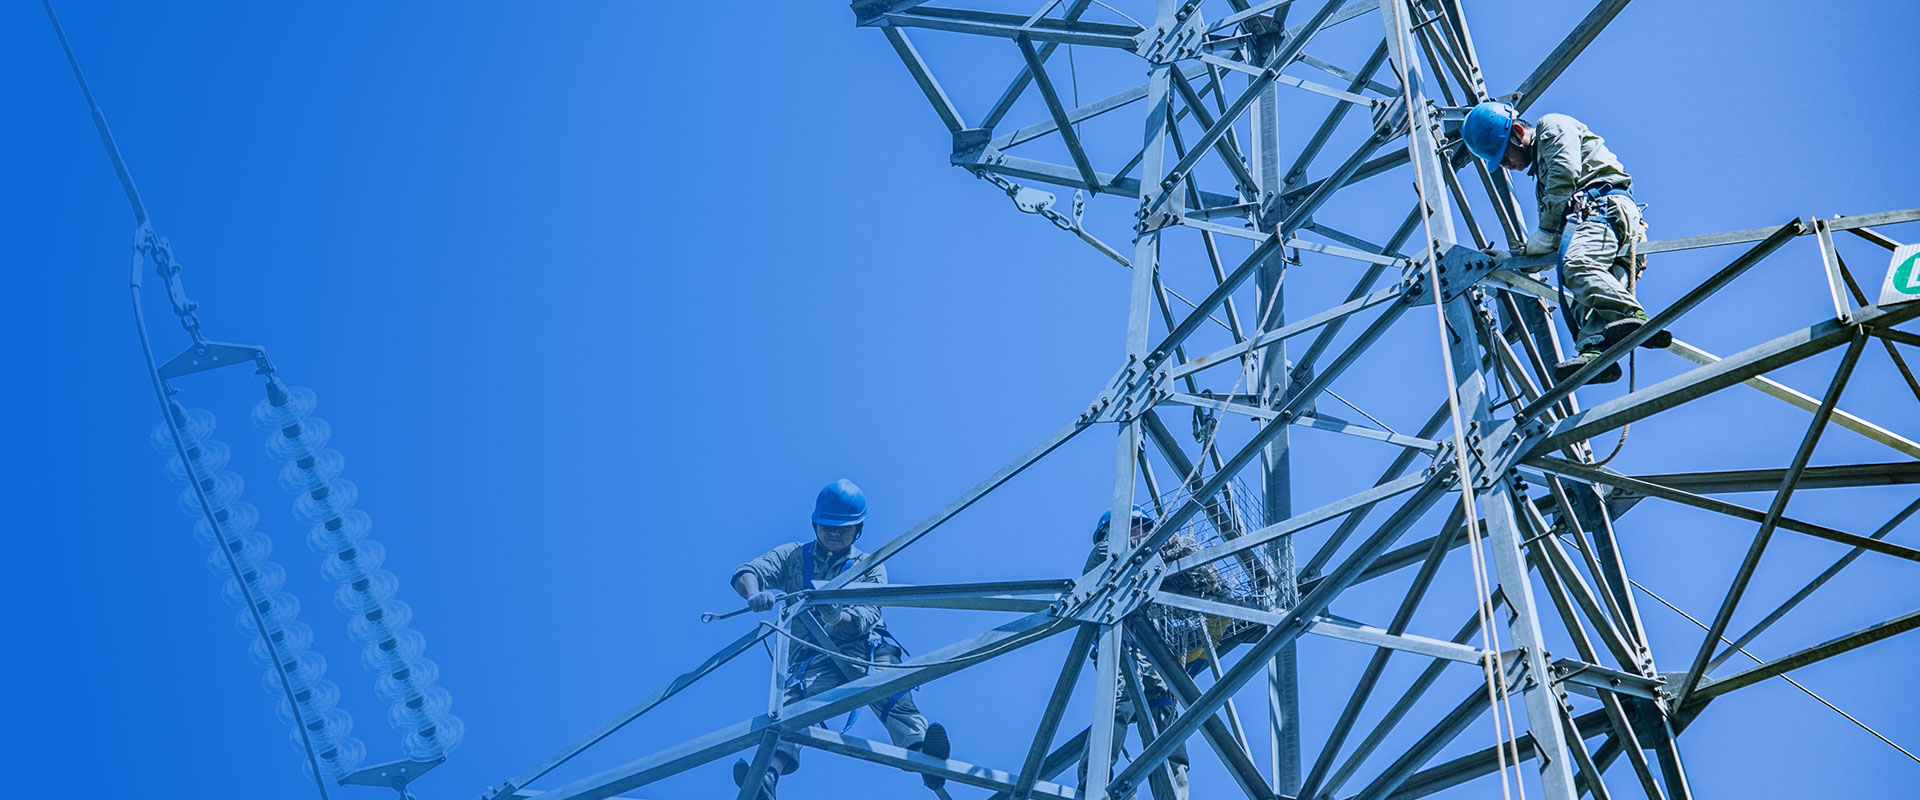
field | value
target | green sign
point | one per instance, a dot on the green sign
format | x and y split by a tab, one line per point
1903	276
1903	280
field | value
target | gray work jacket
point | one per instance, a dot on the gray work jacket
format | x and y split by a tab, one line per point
1568	157
784	568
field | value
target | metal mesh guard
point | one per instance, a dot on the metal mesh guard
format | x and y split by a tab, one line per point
1261	577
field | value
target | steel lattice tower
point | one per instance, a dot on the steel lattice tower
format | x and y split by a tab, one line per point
1501	479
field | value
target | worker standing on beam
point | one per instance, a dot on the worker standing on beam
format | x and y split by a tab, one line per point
1586	214
857	636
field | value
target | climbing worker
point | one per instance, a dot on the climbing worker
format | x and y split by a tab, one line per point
856	635
1153	686
1586	213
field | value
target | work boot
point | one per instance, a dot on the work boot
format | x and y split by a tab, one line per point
939	746
1565	369
767	784
1618	330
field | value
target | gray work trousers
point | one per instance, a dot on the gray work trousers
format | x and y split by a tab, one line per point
814	673
1160	702
1599	255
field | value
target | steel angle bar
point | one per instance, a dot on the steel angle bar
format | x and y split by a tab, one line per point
1377	664
1219	404
1161	781
917	67
1322	341
1290	628
1062	757
1353	521
973	495
1483	762
1817	653
1430	744
762	759
1728	371
1289	80
1021	596
1360	80
1856	223
833	702
1232	751
1808	441
1269	73
1299	522
1277	335
1253	10
1806	591
869	12
1055	708
1591	679
1806	402
917	762
1666	317
1586	474
608	728
1391	720
1253	449
1083	113
1062	175
1364	79
1057	110
1342	629
1008	26
1337	425
1018	85
1229	153
1346	253
1569	48
1895	473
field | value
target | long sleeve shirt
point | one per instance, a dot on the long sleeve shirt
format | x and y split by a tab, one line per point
785	569
1568	157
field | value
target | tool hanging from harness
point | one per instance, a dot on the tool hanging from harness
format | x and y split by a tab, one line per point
796	679
1582	206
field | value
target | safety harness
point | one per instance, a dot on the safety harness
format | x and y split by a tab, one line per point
796	680
1583	205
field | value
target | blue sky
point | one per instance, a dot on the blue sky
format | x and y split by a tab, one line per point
596	296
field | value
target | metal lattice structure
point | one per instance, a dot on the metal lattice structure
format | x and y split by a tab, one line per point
1221	211
1214	597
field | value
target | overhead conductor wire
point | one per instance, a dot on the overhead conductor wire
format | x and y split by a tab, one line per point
160	393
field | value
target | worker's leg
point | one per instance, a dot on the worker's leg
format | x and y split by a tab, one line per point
1160	699
807	679
905	724
1592	274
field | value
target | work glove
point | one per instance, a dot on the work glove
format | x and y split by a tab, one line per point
1496	252
1540	243
762	600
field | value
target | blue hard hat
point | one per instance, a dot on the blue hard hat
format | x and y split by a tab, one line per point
1486	128
1140	513
840	504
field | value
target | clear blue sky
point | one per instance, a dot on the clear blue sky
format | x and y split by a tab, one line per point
596	296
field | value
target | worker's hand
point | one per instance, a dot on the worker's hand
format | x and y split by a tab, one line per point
1540	243
1496	252
762	600
847	623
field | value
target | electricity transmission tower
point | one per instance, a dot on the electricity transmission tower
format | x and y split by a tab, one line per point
1224	207
1215	143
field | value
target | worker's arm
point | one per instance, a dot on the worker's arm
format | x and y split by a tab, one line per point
1557	160
858	619
753	579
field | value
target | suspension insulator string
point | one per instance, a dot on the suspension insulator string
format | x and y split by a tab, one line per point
268	616
393	652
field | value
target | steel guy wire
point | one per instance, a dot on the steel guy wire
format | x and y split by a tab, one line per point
1783	676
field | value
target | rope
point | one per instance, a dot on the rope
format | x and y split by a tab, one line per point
1796	684
1505	743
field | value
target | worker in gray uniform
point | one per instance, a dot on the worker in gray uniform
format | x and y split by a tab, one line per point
1153	686
1586	214
857	636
